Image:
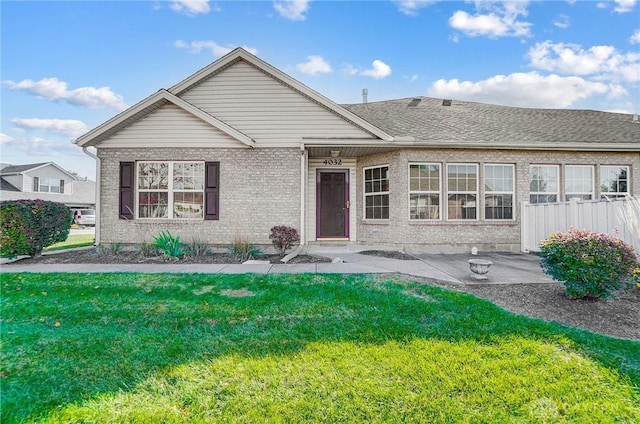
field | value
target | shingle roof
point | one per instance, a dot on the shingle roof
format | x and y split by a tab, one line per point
463	121
14	169
7	186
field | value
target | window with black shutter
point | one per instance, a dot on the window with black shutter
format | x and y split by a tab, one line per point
126	190
212	190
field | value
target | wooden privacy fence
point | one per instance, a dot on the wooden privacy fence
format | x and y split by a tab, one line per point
603	216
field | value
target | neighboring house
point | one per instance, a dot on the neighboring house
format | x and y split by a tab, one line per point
239	147
46	181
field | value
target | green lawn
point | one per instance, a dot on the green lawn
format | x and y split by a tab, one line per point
74	240
109	348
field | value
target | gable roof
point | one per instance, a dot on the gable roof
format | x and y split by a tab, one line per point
241	54
21	169
469	124
145	107
162	97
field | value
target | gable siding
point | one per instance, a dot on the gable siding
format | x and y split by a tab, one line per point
171	126
265	109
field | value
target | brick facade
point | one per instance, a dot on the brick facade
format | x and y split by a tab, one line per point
259	188
444	235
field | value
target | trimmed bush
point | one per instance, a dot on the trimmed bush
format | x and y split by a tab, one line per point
283	237
591	265
28	226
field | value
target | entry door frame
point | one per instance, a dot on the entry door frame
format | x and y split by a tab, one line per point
346	202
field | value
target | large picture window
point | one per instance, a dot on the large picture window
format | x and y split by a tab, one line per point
462	191
578	182
170	190
498	191
614	181
376	192
48	185
424	191
543	183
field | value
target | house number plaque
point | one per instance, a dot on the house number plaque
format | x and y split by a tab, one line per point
332	162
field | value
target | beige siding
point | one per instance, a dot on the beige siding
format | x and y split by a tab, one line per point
171	126
266	109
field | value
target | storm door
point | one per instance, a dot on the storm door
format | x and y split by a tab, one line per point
332	208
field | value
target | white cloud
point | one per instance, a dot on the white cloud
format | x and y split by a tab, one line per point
68	127
378	70
524	90
314	65
37	146
191	7
623	6
603	62
493	20
635	37
411	7
293	10
561	21
216	49
54	89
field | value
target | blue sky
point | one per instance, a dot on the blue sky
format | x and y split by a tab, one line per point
69	66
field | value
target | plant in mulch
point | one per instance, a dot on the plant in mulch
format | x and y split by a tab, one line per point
171	246
283	238
242	250
28	226
591	265
197	249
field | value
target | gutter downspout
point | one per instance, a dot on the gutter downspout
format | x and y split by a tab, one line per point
97	159
303	223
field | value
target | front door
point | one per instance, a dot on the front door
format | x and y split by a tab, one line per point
333	205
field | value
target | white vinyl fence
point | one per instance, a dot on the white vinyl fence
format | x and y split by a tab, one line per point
604	216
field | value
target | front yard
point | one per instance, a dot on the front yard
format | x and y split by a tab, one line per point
295	348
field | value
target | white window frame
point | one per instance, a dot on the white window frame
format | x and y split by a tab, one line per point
614	194
375	193
545	193
170	190
511	192
427	192
59	184
568	194
464	192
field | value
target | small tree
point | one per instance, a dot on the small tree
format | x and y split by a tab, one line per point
28	226
283	237
589	264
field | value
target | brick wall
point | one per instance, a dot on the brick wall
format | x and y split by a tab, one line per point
456	235
259	188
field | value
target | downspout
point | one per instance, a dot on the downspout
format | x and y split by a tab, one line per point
303	223
97	227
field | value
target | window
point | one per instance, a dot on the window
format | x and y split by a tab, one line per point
498	191
376	192
173	190
614	181
543	183
462	191
424	191
48	185
578	182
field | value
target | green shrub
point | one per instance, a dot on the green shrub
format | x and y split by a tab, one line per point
242	250
283	237
197	248
589	264
28	226
109	248
147	249
171	246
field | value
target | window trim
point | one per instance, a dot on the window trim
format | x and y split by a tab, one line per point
37	184
170	190
365	194
619	194
439	192
476	192
546	193
512	192
592	193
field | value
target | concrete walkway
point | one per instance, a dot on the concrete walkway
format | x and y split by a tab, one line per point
507	268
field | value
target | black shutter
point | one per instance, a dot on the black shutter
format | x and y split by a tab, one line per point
211	190
126	190
61	186
36	184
